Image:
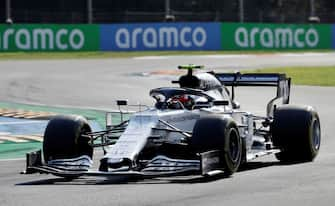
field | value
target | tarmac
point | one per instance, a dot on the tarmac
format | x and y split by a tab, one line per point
98	83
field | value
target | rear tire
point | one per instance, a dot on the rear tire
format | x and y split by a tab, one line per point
296	131
214	133
63	138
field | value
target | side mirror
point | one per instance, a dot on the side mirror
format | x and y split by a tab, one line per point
122	102
119	104
236	105
220	103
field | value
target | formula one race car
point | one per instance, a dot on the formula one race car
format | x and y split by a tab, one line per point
196	128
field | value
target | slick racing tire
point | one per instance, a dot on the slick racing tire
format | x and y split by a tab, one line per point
215	133
296	131
63	138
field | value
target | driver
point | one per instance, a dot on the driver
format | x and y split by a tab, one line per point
182	101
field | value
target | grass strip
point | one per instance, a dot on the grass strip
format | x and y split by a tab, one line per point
99	55
18	150
312	76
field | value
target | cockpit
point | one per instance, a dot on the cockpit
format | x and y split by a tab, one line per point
179	98
195	91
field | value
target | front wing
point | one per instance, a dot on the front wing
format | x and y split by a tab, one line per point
208	164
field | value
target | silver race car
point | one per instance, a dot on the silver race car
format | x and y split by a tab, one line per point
195	128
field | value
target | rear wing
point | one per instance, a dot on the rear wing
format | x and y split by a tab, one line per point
281	81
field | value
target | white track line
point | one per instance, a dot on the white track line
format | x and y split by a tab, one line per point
38	138
151	58
210	56
23	122
311	54
8	160
13	139
228	56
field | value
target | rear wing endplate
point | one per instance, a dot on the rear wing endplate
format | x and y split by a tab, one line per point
281	81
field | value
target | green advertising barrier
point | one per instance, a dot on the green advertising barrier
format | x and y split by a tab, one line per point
234	36
238	36
49	37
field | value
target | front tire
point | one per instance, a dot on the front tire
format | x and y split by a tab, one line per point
296	131
215	133
63	138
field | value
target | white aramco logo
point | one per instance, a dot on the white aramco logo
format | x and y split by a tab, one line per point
163	37
276	38
42	39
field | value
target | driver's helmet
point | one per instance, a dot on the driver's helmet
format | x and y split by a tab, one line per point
186	100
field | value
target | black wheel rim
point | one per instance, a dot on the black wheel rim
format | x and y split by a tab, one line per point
316	135
234	146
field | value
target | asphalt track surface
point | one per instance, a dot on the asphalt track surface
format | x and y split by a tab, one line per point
98	83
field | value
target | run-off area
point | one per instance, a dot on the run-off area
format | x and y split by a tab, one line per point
19	136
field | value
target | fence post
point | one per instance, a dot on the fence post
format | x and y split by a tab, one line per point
312	8
312	17
8	12
241	12
89	12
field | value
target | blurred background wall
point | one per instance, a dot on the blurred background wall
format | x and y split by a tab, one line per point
112	11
